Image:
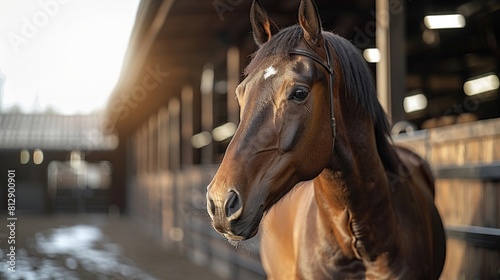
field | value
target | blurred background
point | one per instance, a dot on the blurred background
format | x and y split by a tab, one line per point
114	115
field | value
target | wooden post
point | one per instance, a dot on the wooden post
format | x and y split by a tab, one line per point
163	139
207	116
174	108
233	79
391	69
144	148
152	144
187	125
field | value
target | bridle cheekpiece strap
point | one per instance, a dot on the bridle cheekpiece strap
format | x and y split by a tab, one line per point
329	68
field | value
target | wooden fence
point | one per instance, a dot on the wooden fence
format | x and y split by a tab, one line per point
466	163
172	208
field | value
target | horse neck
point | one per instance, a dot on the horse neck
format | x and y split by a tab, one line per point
353	194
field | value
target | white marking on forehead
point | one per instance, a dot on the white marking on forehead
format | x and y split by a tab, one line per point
270	71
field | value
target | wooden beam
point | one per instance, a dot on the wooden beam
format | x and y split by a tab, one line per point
391	69
207	115
187	124
478	236
233	79
488	171
174	109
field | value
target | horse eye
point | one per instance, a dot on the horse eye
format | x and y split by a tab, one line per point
299	94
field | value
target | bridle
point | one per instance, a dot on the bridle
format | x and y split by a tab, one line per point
329	68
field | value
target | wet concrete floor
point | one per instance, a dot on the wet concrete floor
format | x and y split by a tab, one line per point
89	247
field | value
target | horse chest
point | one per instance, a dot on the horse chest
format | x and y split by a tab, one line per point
315	262
319	256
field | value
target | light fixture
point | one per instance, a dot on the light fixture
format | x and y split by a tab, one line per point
75	159
207	79
430	37
201	139
481	84
414	103
444	21
25	156
38	156
224	131
372	55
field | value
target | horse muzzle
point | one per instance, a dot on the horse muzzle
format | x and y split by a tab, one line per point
228	217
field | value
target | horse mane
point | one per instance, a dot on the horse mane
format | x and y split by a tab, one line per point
358	81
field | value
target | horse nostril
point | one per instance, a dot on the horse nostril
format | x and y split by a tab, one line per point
233	206
211	206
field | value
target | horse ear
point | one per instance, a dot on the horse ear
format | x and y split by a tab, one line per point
263	28
310	21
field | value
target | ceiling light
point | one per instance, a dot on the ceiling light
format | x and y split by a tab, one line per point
444	21
207	79
224	131
25	156
481	84
415	103
201	139
372	55
38	156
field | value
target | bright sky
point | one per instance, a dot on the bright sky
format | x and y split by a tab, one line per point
66	53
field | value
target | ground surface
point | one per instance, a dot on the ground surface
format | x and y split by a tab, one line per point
90	247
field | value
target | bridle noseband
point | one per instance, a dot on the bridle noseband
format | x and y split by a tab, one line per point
329	68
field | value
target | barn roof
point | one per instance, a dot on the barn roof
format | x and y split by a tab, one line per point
54	132
177	38
173	39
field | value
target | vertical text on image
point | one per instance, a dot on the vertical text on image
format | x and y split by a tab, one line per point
11	220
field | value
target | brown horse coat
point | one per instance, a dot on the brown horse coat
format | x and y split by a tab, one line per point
292	251
312	160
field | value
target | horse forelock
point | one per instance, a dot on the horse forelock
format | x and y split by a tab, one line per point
279	47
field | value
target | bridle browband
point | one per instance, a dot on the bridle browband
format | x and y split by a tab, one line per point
329	68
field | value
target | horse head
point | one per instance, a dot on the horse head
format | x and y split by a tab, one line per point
285	133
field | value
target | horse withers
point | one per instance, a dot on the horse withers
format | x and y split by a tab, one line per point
312	166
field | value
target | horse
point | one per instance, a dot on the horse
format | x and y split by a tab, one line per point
312	166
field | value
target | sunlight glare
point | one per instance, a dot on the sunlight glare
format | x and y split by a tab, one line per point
94	64
72	62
